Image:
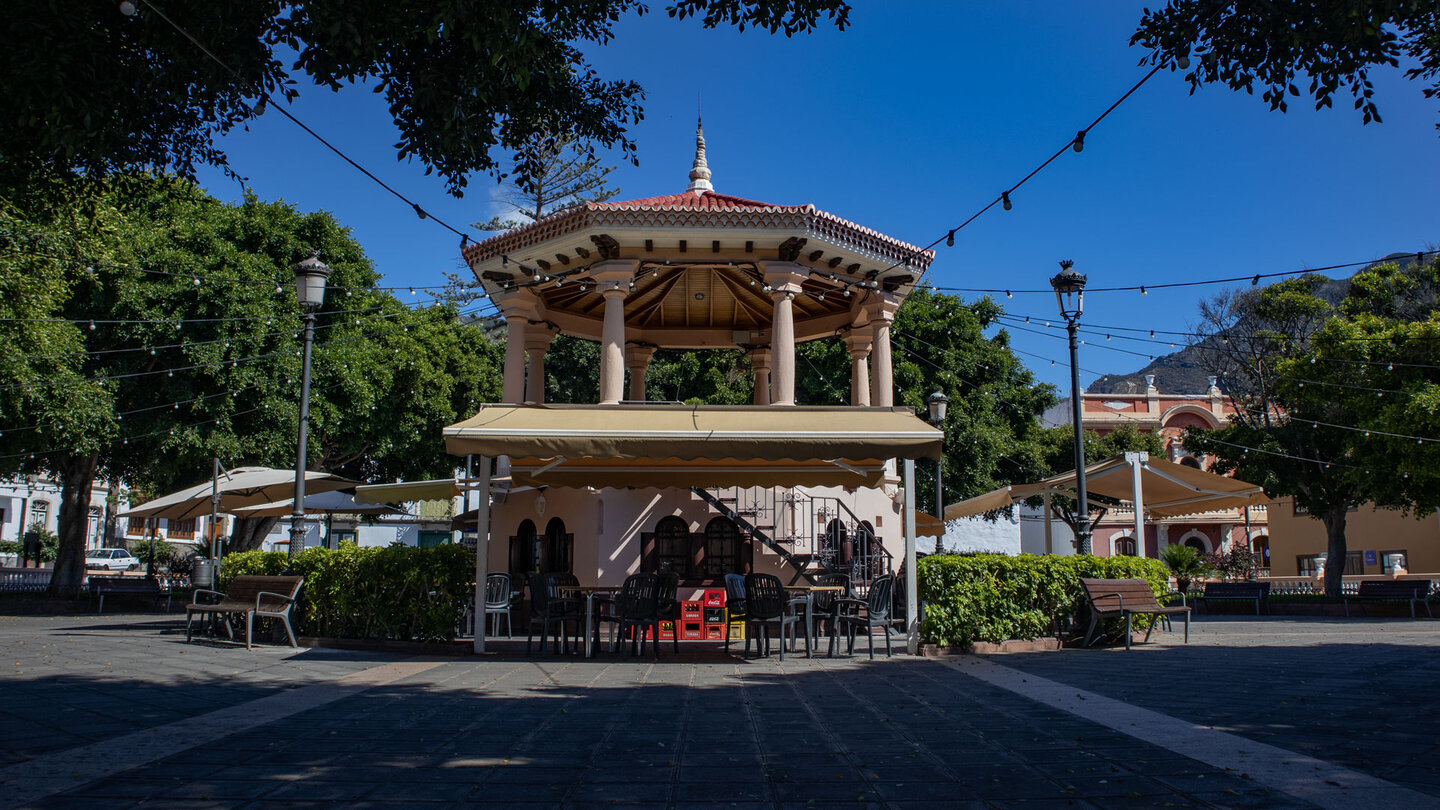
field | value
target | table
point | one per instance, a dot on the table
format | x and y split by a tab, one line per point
809	602
590	592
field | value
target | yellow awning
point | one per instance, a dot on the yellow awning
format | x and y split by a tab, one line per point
669	473
859	437
928	525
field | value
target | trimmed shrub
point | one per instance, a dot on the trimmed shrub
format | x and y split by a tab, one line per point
396	592
994	597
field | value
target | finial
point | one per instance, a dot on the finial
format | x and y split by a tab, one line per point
699	173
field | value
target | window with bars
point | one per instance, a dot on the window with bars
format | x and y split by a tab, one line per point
722	548
672	546
182	529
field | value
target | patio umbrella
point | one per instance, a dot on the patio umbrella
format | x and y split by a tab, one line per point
243	486
323	503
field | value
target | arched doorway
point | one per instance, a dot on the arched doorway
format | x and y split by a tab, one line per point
558	550
1124	546
867	558
523	558
832	545
1260	545
722	547
672	545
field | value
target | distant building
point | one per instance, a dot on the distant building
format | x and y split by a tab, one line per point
35	499
1167	415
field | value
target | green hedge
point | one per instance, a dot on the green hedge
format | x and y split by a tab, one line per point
394	592
994	597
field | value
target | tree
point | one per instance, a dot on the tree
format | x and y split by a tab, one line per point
566	176
95	89
1245	42
1330	398
992	428
192	352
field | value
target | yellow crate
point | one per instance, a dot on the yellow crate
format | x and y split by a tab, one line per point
737	631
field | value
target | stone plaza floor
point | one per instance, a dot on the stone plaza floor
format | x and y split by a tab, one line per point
119	711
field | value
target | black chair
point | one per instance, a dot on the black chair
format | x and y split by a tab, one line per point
635	609
735	606
668	607
497	601
826	606
767	603
873	611
548	608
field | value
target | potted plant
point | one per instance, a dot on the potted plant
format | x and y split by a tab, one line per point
1186	564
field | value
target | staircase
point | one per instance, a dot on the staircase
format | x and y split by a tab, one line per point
816	528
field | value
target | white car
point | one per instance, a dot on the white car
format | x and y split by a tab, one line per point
111	559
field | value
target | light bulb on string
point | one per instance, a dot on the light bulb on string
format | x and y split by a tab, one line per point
1005	200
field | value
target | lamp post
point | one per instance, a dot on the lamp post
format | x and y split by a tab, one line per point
310	275
938	403
1070	296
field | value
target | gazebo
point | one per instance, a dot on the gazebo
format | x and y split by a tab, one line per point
702	490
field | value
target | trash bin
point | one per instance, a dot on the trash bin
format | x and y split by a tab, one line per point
204	574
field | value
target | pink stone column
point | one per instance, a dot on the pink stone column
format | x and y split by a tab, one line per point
782	376
637	361
518	308
612	347
882	391
537	344
760	364
858	341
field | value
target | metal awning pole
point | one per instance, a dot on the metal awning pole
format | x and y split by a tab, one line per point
1136	461
1049	541
912	599
482	545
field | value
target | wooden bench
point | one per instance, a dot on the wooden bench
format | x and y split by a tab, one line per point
1257	592
101	586
1414	591
267	597
1125	598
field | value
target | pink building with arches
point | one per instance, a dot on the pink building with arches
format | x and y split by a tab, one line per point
1168	415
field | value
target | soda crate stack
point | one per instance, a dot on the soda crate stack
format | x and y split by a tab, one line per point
713	610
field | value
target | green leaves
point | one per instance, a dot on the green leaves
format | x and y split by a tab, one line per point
394	592
995	597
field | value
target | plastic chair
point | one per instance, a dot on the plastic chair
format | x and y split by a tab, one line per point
635	609
548	608
668	604
766	603
497	601
735	606
871	612
826	606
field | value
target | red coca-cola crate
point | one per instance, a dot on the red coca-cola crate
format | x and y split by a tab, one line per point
714	615
715	632
714	598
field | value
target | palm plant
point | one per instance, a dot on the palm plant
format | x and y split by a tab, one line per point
1186	563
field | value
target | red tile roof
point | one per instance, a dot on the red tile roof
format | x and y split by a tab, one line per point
691	200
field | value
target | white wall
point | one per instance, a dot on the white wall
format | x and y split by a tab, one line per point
1001	536
1032	533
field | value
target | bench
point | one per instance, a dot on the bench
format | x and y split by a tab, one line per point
102	586
1124	599
1257	592
1414	591
251	596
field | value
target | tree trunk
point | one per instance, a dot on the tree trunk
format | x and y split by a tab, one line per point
1334	519
77	475
248	533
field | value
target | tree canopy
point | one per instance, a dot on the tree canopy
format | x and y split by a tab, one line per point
152	328
1337	404
92	88
1242	43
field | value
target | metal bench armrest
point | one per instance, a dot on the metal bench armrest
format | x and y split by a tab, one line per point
198	592
263	594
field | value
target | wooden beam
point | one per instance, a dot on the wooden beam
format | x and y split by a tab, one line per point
749	247
835	262
562	258
715	246
789	250
815	255
582	253
682	245
649	245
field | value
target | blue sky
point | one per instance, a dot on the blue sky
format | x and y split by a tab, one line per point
916	117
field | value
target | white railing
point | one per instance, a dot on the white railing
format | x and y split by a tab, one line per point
17	580
1349	584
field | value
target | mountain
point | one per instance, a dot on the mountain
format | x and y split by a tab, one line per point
1182	372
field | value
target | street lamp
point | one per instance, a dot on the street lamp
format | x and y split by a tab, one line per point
938	403
1070	297
310	275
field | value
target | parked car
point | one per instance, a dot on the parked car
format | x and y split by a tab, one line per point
111	559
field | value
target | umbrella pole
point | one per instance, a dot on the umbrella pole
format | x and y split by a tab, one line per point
1136	460
214	509
482	547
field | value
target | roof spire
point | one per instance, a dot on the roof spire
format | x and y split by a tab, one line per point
700	172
